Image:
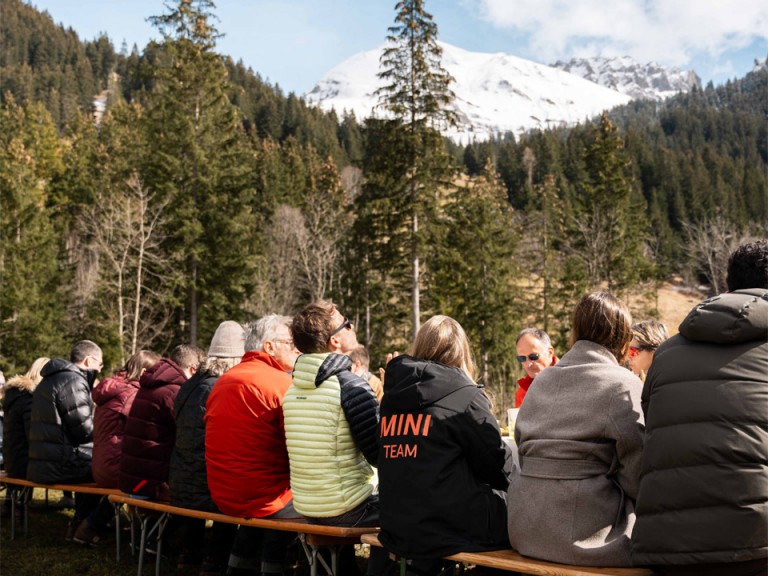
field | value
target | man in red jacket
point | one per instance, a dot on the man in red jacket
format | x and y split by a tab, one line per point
534	352
245	453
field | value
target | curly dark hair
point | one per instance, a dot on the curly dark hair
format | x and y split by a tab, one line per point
748	266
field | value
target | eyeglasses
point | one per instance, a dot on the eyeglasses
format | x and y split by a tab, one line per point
289	342
99	363
345	324
532	357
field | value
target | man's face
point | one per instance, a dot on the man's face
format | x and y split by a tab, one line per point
282	349
528	345
344	340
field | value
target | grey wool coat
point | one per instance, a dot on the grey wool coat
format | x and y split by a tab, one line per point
580	438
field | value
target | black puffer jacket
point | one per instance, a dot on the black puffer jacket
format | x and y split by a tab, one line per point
17	405
188	480
704	483
440	458
61	428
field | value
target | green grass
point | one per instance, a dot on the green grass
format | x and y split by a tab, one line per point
44	552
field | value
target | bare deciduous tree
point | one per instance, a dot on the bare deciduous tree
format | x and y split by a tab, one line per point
279	278
711	242
124	230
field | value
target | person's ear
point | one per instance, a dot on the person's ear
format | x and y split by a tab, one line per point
334	344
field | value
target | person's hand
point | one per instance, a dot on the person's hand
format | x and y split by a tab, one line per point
389	357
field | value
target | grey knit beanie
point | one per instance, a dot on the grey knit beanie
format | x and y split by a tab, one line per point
228	341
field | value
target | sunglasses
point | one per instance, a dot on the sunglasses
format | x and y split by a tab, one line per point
532	357
635	350
345	324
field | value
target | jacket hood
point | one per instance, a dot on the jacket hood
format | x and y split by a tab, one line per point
162	373
323	365
411	384
112	386
731	318
56	365
22	383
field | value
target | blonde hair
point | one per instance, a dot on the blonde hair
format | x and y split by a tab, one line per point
649	334
34	371
442	339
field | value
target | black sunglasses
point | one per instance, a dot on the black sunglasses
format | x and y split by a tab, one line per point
532	357
345	324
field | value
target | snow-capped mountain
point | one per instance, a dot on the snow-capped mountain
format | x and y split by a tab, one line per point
495	93
649	81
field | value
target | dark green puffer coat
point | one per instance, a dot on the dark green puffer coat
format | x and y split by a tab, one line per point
704	486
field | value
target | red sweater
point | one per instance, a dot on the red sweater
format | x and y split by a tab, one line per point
245	453
524	383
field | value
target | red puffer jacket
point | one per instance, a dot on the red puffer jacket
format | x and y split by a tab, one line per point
113	398
150	432
245	453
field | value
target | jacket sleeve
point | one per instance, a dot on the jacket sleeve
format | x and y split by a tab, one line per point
362	412
490	459
76	411
627	427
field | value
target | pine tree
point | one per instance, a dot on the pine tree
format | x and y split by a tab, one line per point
605	234
416	93
199	163
474	273
32	297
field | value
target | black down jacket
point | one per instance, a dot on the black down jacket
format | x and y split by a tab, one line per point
188	480
61	428
17	405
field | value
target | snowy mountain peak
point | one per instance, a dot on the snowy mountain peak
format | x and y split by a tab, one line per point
649	81
495	93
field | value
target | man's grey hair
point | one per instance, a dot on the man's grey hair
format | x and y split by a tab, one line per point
83	349
263	329
540	335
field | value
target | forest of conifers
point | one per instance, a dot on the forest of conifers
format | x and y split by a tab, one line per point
203	193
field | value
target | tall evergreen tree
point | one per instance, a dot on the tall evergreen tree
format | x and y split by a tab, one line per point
32	302
605	233
474	273
199	162
416	93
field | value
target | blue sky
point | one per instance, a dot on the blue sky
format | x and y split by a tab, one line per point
293	43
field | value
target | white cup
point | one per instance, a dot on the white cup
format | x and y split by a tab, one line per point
511	419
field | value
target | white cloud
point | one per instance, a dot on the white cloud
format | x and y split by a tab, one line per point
672	32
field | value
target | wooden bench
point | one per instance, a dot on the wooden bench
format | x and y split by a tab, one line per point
313	537
512	561
23	495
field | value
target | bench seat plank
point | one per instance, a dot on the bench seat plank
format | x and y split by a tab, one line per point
85	488
288	525
512	561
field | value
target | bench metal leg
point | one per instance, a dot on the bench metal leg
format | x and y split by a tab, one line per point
160	525
117	508
314	557
146	533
